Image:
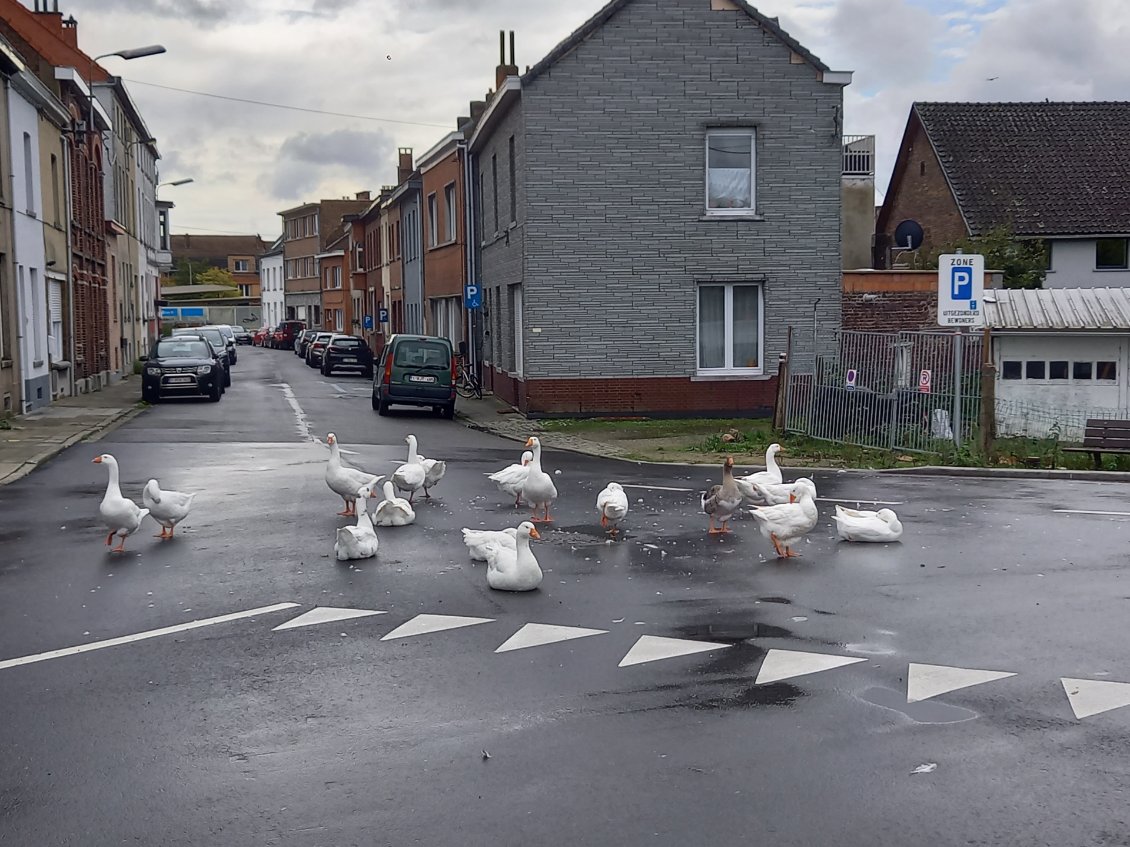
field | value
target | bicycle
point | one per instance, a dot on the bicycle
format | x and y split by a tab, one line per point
467	382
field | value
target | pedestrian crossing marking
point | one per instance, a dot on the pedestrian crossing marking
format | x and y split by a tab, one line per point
926	681
1093	697
652	648
325	614
423	624
537	634
785	664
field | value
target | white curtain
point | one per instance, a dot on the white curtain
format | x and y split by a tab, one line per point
745	323
712	326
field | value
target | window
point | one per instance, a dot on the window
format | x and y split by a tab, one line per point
1081	370
1106	371
513	184
729	328
1057	370
29	178
1110	254
1011	370
494	187
55	203
449	212
1034	370
433	221
730	180
241	265
335	274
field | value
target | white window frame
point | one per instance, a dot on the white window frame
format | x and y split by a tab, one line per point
449	211
729	369
751	210
433	220
243	262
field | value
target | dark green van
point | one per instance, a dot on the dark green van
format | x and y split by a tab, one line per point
416	370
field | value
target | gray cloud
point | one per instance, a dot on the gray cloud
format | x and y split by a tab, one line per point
307	160
204	13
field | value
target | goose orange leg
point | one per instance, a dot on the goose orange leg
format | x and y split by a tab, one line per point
121	548
348	511
712	530
110	538
777	546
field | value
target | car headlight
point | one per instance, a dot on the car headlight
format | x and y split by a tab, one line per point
153	371
204	370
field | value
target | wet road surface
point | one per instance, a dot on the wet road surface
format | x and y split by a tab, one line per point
230	732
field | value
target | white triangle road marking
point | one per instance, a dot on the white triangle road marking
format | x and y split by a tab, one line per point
537	634
926	681
1092	696
325	614
651	648
422	624
785	664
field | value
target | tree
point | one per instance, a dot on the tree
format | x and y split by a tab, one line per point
1024	263
217	276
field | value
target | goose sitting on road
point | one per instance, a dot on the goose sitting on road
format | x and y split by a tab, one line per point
612	503
770	476
168	508
721	501
512	477
538	490
774	494
861	525
480	541
343	480
788	523
514	568
434	469
393	510
411	476
121	515
360	541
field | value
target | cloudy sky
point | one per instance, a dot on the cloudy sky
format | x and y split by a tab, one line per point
398	72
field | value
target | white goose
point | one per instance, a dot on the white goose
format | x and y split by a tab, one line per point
393	510
538	490
480	541
788	523
434	469
860	525
612	503
121	515
512	477
770	476
411	476
343	480
774	494
360	541
168	508
514	568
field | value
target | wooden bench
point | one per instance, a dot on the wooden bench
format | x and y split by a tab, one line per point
1104	436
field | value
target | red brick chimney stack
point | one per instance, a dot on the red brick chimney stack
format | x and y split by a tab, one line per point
504	70
405	167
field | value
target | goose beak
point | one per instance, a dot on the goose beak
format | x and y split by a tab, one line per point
534	533
530	442
97	460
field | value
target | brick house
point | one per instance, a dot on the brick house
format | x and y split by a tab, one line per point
237	254
445	257
1055	172
392	267
657	199
336	307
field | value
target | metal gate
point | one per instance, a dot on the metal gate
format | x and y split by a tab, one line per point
915	391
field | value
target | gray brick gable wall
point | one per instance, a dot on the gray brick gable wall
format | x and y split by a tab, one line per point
611	242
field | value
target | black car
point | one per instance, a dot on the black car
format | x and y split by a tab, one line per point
316	347
347	353
182	366
303	341
242	336
219	345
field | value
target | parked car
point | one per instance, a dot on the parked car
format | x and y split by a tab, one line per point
303	342
229	338
218	342
285	333
416	370
242	336
259	339
316	347
182	366
347	353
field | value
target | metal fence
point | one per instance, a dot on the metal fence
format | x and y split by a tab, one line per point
913	391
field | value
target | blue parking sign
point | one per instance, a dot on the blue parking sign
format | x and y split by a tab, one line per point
382	316
367	322
472	296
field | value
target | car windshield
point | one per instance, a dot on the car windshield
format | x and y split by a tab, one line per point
214	336
347	341
422	354
184	348
224	330
322	337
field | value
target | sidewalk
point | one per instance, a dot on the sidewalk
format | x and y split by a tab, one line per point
36	437
492	415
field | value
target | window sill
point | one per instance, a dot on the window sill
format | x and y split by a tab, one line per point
729	376
732	216
1112	270
441	245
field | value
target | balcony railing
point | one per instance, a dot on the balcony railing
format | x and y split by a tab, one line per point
859	155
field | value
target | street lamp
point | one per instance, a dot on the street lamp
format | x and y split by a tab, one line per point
184	181
130	53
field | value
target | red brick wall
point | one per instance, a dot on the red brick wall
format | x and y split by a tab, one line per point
891	301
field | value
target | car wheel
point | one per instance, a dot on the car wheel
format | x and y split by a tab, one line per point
382	408
376	401
216	392
326	370
227	378
150	395
449	412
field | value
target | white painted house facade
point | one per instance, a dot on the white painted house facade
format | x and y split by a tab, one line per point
271	291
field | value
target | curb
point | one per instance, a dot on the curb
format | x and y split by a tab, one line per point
83	435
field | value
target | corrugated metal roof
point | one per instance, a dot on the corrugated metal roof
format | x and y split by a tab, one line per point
1067	309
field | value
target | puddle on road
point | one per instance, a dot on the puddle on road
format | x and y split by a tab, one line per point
926	711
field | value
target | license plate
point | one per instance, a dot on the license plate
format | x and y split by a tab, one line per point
181	380
414	378
349	358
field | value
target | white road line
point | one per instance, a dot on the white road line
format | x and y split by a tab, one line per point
302	424
656	488
141	636
1089	512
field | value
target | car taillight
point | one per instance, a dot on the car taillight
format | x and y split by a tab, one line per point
388	371
454	369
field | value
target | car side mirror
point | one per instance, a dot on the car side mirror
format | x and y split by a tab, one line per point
143	358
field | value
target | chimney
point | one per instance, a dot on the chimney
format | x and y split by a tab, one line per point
477	108
362	195
69	32
504	70
404	167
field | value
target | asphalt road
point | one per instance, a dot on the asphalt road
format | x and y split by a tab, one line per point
232	733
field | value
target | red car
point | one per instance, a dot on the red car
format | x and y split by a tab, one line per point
285	333
259	339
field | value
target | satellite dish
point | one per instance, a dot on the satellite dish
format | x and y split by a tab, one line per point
908	235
